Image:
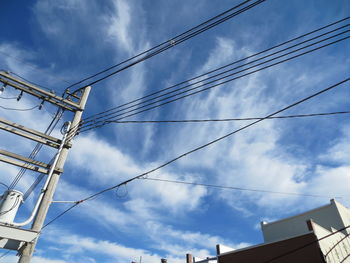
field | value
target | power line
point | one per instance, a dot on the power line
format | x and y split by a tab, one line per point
230	64
16	109
55	120
8	98
4	185
31	65
268	261
235	119
31	82
35	184
224	77
5	254
211	82
212	22
230	187
306	245
97	124
38	147
198	148
176	42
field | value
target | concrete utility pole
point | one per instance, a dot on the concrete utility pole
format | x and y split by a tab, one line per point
11	235
47	199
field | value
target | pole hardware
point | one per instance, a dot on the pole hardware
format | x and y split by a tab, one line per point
11	234
42	94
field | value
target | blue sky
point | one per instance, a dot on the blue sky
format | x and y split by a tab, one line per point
57	42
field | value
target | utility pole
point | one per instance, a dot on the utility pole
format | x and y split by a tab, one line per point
9	231
28	251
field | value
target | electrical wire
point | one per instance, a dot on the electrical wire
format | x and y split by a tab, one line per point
225	66
97	124
38	146
198	148
31	82
55	120
31	66
33	186
16	109
5	185
5	254
335	245
86	123
306	245
48	111
292	250
35	183
8	98
52	125
234	119
348	255
230	187
208	24
14	205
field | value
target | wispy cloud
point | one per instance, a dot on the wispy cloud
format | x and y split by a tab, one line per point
76	38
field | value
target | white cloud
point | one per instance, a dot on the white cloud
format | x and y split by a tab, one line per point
106	165
103	161
108	214
166	235
252	158
333	176
119	22
53	16
332	181
109	251
47	260
224	52
255	158
175	245
340	151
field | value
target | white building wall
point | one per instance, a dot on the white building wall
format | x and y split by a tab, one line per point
334	246
330	216
345	215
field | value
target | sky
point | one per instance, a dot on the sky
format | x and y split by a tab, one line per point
55	43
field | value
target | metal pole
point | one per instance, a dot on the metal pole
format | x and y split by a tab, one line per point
45	204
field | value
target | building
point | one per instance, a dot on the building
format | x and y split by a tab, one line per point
316	236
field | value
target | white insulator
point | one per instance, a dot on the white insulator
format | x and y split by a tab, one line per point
10	202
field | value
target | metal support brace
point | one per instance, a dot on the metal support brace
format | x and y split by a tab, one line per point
39	93
23	165
29	133
24	162
13	238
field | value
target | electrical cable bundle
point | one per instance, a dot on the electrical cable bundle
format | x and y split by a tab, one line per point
237	119
145	174
223	75
37	148
206	25
194	31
